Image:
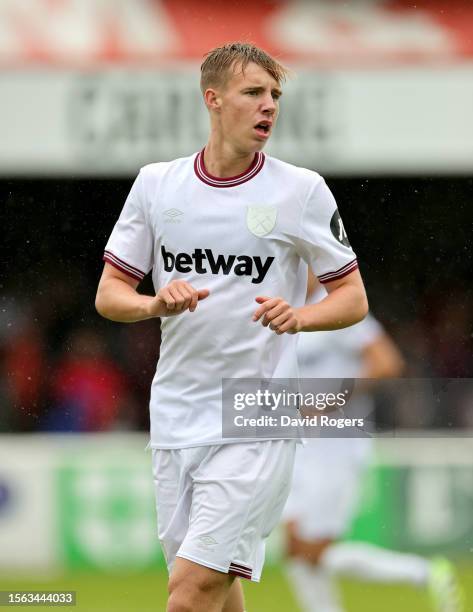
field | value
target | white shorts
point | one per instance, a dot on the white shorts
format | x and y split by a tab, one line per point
326	487
216	505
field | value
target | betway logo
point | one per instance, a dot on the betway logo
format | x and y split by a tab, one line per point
203	261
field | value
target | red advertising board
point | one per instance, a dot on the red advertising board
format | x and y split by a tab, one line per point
87	33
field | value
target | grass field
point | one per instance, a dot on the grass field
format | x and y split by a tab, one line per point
147	593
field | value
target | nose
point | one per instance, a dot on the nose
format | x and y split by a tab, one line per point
268	104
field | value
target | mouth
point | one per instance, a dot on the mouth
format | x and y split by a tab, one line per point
263	128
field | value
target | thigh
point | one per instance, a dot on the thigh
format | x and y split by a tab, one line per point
239	491
235	601
173	491
194	586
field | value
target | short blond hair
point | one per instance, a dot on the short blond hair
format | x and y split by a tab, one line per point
218	62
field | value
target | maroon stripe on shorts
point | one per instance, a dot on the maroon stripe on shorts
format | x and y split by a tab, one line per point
240	570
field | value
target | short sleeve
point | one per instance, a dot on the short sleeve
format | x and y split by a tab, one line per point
365	332
323	242
130	246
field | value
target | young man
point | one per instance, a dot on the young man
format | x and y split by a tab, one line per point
327	478
229	234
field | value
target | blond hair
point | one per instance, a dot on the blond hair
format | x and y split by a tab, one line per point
218	62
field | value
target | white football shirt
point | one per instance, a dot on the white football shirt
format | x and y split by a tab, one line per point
240	237
337	354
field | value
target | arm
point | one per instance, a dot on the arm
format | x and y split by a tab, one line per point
118	300
321	241
345	305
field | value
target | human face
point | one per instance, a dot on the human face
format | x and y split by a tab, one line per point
248	106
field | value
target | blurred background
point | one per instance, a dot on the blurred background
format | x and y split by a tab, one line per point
380	104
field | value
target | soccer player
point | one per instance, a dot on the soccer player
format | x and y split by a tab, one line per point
228	234
327	477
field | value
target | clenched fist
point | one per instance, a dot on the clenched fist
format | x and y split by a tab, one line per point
175	298
278	314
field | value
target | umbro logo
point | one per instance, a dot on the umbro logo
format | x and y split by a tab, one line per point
207	540
172	215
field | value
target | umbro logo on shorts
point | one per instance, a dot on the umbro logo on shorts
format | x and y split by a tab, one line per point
204	261
207	540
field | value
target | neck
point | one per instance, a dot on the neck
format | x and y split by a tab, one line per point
222	160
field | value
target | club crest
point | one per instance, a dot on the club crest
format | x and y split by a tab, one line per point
260	220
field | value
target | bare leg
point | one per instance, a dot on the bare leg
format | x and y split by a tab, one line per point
196	588
313	585
235	600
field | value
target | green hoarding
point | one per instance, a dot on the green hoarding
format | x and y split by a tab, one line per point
107	513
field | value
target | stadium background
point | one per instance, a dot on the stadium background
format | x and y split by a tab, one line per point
90	91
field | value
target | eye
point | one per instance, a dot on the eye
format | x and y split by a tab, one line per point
252	92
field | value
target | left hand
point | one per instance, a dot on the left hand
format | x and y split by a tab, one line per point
276	313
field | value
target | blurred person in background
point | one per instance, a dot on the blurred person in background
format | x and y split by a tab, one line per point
449	317
137	351
328	474
24	363
183	219
88	391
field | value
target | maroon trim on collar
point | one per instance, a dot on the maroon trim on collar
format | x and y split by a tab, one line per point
230	181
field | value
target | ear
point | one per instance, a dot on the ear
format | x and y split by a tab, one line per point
212	99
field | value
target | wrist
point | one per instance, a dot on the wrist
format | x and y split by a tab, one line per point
304	321
145	307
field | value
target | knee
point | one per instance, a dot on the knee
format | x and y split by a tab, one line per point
179	597
177	604
310	551
185	592
318	549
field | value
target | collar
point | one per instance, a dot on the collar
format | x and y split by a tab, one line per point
229	181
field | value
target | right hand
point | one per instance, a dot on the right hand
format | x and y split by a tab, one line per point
175	298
